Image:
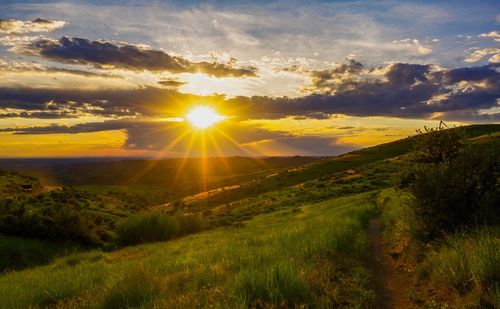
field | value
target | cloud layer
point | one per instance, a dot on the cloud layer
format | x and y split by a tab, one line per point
396	90
107	55
14	26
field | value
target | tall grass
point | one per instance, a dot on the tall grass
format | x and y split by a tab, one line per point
470	262
136	287
291	259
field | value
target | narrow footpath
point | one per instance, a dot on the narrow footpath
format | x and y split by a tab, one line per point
390	284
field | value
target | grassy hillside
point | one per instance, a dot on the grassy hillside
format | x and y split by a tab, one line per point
287	237
364	169
228	267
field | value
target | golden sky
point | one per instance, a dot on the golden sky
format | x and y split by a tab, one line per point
271	78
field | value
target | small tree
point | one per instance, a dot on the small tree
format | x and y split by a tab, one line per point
439	145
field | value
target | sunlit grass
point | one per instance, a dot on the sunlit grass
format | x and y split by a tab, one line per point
296	258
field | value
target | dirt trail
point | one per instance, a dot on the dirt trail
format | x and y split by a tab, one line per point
390	284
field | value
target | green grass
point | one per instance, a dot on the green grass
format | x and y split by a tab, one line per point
311	256
137	287
295	238
397	217
470	263
467	262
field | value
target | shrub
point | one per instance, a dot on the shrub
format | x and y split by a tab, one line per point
59	216
451	196
151	227
456	187
438	145
147	227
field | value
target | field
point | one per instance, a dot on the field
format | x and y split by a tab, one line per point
328	233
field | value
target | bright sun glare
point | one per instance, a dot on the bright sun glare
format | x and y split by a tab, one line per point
202	117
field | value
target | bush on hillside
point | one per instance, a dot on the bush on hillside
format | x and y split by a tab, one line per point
438	145
456	187
151	227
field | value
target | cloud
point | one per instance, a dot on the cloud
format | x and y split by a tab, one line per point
107	55
145	101
396	90
19	67
479	54
171	83
73	129
495	35
14	26
343	75
414	44
40	115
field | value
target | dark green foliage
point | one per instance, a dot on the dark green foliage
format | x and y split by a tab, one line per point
439	145
18	253
151	227
13	184
458	186
58	215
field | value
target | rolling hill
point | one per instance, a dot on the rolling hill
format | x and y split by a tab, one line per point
295	234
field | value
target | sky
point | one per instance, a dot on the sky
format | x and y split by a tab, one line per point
119	78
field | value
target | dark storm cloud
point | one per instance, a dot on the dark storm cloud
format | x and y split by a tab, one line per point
14	26
104	54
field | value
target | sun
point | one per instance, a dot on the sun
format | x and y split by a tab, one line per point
202	117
